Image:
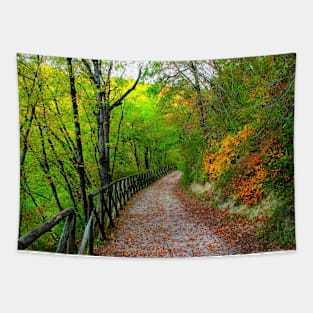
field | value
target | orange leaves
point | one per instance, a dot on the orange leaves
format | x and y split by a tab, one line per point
249	173
242	173
216	163
219	162
267	165
273	149
246	132
249	191
255	160
248	187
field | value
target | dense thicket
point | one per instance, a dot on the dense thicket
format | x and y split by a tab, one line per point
237	135
227	123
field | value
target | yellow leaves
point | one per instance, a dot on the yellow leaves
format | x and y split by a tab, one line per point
163	91
217	163
250	174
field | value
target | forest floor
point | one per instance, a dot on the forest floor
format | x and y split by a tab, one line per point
164	221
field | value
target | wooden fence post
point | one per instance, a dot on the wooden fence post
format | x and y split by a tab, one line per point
90	210
71	245
112	198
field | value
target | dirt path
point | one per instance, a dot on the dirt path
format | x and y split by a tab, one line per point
155	223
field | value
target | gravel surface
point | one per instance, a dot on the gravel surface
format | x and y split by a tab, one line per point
155	223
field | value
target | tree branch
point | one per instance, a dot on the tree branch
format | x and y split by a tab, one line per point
119	101
90	73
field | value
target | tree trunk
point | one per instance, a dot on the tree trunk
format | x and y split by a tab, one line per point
103	114
106	165
146	154
79	148
103	120
136	156
118	139
199	95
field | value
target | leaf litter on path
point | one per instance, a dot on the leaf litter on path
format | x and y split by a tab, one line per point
162	221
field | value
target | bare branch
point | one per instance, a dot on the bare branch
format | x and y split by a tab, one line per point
119	101
90	73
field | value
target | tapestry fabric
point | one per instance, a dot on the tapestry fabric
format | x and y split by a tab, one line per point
156	159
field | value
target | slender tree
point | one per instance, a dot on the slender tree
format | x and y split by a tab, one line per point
79	148
105	104
118	139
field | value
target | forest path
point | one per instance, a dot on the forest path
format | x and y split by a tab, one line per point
156	223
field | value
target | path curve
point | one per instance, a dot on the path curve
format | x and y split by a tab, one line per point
155	223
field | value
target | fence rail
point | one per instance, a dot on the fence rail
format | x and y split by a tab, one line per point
67	240
104	205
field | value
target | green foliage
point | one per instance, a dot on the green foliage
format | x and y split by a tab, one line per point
281	226
141	136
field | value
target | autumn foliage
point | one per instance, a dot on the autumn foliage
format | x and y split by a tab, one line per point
250	171
249	158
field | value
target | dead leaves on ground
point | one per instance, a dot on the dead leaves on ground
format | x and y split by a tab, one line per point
163	221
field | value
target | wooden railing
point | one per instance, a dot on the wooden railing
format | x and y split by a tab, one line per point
67	240
104	205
